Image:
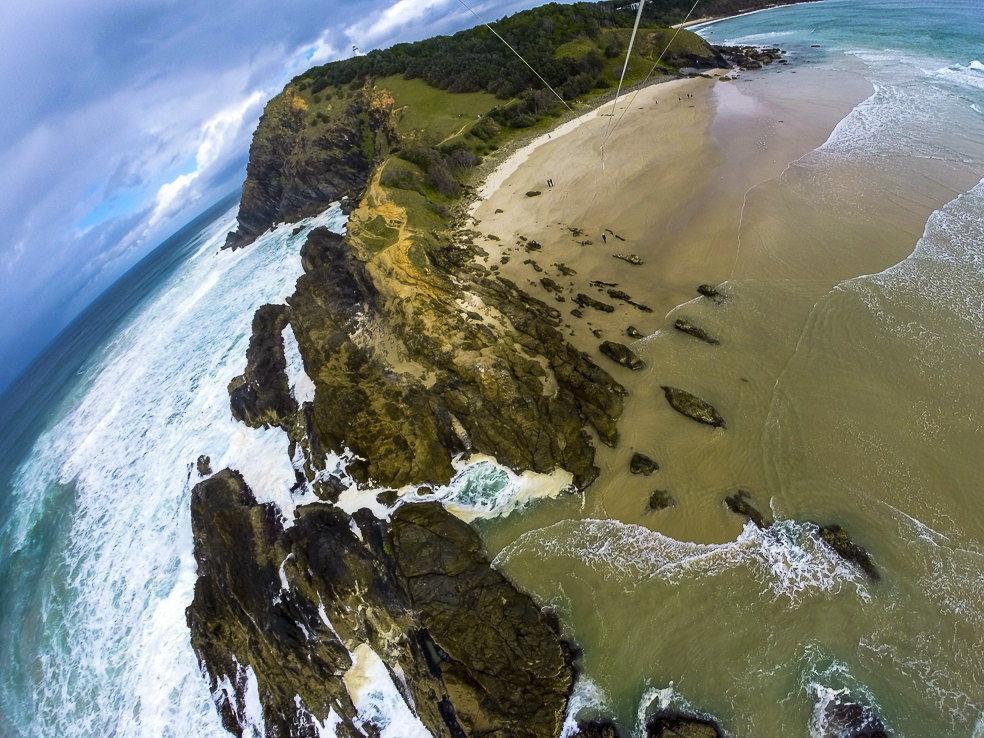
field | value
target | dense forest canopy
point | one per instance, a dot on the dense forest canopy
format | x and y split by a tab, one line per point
475	60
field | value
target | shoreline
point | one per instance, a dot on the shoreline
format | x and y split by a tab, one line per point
690	25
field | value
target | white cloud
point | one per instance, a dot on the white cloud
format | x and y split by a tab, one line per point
393	18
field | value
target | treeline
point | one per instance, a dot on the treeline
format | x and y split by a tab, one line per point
475	60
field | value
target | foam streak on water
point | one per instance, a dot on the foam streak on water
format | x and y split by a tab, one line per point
112	647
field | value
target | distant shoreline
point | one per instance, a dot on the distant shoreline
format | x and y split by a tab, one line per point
715	19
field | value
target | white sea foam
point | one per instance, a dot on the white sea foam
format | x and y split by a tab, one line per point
587	696
788	560
117	658
378	699
481	488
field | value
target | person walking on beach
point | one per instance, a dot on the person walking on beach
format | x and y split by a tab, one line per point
604	237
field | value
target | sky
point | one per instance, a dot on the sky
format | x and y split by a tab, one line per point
124	119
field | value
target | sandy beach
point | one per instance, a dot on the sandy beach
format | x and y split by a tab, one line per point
670	190
707	182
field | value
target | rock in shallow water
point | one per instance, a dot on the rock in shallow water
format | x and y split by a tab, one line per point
622	354
685	326
693	407
838	539
642	464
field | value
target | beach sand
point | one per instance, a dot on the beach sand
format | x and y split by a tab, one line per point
706	182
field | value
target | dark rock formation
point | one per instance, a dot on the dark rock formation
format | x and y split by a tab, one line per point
675	725
295	171
476	656
550	285
622	354
710	293
738	504
503	658
633	332
642	464
631	258
749	57
838	539
685	326
850	720
660	499
204	466
587	301
693	407
261	396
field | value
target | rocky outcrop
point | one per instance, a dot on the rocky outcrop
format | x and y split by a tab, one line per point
587	301
712	294
295	170
850	720
693	407
470	654
739	504
685	326
838	539
622	354
261	396
642	464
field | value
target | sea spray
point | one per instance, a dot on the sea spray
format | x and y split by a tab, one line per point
113	654
789	560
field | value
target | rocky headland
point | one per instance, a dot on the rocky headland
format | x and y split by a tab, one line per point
419	354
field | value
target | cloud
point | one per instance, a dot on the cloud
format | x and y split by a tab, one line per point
135	115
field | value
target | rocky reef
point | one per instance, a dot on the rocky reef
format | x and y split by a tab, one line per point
469	653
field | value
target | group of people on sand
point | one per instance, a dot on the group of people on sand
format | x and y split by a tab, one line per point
550	183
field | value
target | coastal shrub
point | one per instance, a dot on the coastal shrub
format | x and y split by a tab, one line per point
486	129
441	180
602	83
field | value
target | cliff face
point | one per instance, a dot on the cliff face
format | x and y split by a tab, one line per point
294	172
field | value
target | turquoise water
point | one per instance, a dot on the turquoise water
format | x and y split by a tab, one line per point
97	438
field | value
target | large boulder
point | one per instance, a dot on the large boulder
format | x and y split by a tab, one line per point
622	354
693	407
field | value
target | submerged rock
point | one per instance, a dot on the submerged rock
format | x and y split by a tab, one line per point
642	464
850	720
474	655
738	504
685	326
710	293
622	354
693	407
660	499
838	539
675	725
204	466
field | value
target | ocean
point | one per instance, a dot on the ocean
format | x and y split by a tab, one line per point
859	406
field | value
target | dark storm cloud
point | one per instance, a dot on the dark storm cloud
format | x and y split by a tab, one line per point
123	119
